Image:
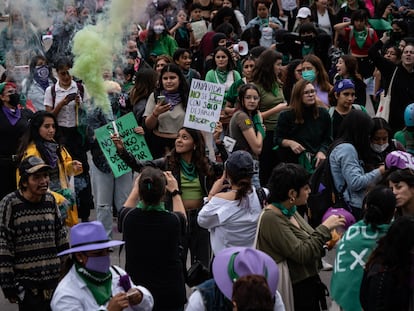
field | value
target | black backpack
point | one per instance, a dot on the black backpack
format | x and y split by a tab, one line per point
323	192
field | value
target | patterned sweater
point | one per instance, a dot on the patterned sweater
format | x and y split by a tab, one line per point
31	235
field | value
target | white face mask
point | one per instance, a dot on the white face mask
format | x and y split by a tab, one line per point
158	29
379	148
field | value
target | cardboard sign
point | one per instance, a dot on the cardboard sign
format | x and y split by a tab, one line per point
133	142
199	29
204	105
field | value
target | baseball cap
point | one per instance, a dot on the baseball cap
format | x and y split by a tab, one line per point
240	163
304	12
342	85
32	165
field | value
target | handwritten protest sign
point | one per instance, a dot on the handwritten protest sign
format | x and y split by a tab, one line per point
204	105
133	142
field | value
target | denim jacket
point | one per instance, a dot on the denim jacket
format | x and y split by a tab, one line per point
346	168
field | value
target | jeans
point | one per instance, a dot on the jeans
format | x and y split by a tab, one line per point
109	192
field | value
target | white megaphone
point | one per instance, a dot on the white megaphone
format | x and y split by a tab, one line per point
242	48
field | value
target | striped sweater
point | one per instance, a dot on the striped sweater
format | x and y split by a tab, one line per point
31	235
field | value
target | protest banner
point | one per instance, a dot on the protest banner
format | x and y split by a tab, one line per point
133	142
204	105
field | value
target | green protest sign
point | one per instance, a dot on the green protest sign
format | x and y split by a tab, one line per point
133	142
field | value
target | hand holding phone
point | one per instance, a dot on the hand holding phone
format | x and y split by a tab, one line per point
161	99
71	96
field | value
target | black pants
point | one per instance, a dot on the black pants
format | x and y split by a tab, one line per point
34	300
310	294
267	159
76	146
197	240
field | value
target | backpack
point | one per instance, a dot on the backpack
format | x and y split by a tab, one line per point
53	91
323	192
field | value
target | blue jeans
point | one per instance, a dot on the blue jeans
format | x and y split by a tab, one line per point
109	192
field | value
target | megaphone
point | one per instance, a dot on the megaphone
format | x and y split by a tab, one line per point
242	48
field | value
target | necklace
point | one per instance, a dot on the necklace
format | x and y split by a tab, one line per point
285	211
188	169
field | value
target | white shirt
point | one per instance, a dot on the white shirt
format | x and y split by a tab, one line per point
67	115
231	223
196	303
72	294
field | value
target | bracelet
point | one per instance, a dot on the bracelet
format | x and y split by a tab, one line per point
176	192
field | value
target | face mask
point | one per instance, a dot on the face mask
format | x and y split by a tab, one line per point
133	54
309	75
158	29
306	39
379	148
99	264
42	72
14	99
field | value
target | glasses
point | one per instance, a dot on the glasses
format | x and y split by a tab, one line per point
310	92
250	97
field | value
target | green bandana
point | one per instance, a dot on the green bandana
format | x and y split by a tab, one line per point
221	76
307	49
360	37
158	208
188	169
258	125
287	212
275	89
100	284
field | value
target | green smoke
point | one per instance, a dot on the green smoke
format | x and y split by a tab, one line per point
94	47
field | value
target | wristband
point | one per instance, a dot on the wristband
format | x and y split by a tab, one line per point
176	192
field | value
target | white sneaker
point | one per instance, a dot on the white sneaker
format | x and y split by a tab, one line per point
326	266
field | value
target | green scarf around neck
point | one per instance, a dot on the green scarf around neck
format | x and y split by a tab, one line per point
158	208
285	211
360	37
100	284
188	169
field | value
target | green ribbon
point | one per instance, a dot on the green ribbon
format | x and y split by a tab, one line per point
360	37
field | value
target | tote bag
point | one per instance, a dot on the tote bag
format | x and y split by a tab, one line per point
385	100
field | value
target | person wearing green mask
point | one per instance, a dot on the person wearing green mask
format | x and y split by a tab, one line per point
314	72
360	38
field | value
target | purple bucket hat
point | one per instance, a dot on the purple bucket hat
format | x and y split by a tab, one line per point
349	218
89	236
234	262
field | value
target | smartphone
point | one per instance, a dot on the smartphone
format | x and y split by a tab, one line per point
161	98
71	96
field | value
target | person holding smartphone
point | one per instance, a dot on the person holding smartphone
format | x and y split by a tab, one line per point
165	110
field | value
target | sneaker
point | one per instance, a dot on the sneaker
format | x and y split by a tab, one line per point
326	266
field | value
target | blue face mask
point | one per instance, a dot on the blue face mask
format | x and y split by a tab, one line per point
309	75
99	264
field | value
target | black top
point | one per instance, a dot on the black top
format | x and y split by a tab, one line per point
152	242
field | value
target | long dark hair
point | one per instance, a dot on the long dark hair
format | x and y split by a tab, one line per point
151	38
242	92
198	157
230	63
290	79
355	129
145	82
32	135
183	88
394	250
379	206
263	72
